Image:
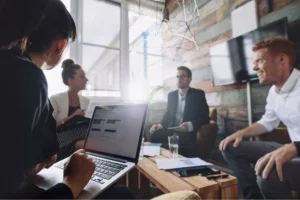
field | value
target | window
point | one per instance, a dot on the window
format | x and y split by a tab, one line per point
98	47
101	23
145	57
101	44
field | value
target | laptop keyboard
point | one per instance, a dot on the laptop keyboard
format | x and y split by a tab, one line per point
105	170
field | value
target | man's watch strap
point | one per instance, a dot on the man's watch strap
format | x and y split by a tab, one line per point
297	145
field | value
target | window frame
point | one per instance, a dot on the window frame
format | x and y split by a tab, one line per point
76	48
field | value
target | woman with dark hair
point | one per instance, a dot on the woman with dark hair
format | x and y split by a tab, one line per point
69	109
69	105
34	34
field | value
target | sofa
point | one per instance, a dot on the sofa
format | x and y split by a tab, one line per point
279	135
206	135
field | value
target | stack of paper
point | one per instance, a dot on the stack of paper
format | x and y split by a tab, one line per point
151	151
175	163
153	144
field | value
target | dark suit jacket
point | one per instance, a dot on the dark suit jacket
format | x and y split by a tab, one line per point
196	109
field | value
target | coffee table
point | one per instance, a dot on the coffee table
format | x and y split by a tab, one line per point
167	181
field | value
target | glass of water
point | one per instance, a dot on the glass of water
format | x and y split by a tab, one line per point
173	145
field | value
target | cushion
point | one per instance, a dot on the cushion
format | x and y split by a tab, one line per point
185	194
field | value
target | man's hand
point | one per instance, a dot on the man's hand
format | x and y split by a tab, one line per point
278	157
38	167
236	137
155	127
184	127
78	171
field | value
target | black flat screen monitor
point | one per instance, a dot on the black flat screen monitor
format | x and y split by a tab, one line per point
231	61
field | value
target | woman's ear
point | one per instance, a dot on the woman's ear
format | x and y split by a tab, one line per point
60	46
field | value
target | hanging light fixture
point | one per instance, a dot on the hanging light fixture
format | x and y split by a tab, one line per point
165	18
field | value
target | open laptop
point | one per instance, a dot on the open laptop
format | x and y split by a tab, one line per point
113	142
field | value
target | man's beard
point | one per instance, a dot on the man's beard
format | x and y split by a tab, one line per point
182	86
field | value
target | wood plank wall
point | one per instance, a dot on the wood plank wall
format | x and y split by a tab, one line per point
213	26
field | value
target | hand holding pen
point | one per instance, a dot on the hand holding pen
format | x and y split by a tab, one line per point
78	112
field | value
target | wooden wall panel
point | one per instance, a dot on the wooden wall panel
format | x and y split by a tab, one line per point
203	48
276	4
207	86
209	37
213	26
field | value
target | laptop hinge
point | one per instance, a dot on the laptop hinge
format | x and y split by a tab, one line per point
107	157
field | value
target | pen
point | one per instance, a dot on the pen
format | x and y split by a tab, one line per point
218	176
210	173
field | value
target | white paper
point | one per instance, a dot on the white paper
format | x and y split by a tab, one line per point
238	16
175	163
151	150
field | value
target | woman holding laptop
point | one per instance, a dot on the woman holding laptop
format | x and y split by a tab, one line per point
69	110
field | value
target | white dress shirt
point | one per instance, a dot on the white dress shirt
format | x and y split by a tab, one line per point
180	109
180	112
284	105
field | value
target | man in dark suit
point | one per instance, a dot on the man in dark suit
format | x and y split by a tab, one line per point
187	109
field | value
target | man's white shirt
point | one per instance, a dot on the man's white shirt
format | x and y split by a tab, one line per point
284	105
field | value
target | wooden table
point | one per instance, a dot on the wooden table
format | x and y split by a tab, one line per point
168	182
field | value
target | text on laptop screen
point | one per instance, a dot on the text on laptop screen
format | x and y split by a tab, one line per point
116	130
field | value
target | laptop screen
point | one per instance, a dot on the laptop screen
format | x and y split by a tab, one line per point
117	130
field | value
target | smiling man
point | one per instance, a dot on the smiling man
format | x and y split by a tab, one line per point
277	167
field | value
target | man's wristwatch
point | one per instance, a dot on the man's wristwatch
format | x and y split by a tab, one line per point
297	145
